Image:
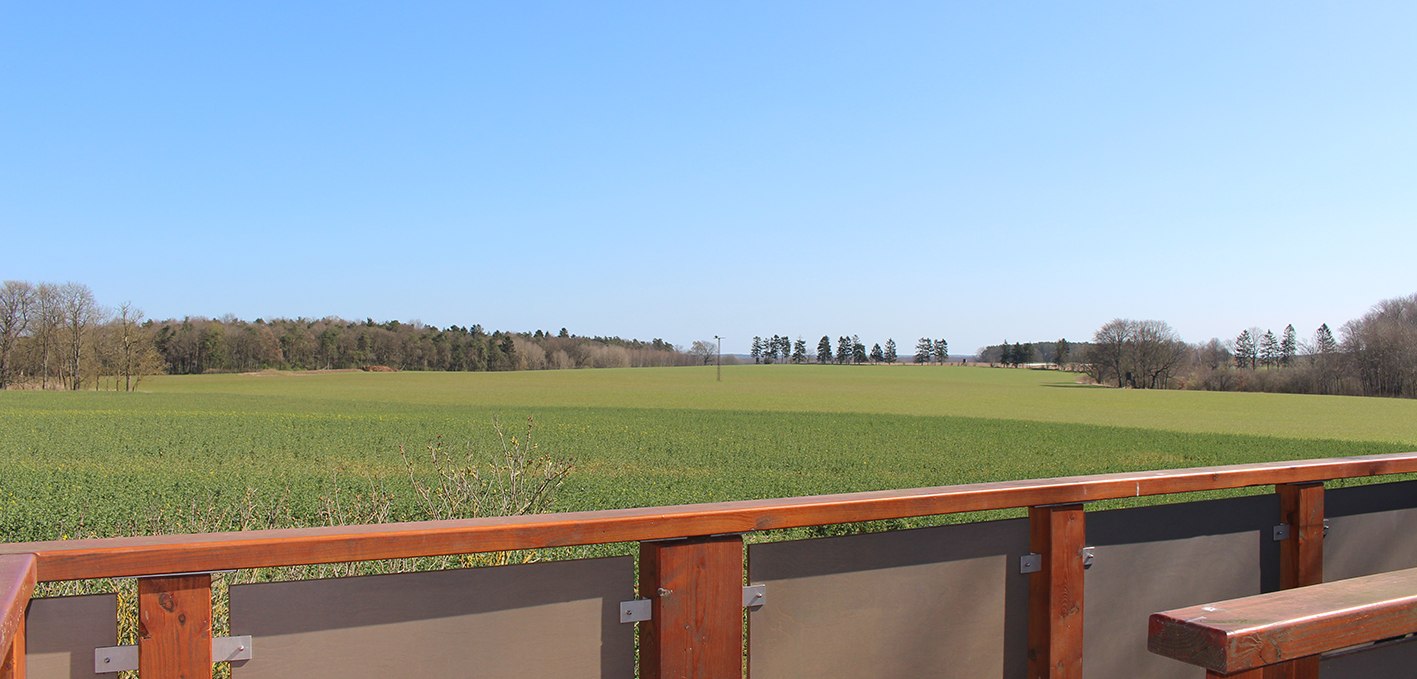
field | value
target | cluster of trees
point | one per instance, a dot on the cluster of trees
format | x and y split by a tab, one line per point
1024	353
778	348
57	336
932	351
199	345
1252	349
849	350
1138	354
1375	355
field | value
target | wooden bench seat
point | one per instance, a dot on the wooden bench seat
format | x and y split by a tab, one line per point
1240	636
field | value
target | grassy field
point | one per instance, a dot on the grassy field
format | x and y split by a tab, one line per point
107	463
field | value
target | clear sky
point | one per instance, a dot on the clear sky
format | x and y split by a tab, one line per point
973	171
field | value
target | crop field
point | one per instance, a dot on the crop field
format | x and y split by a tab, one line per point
111	463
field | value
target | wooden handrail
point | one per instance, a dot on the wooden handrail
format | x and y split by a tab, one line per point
17	580
1240	635
155	555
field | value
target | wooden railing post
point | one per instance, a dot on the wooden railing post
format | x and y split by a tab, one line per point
12	666
1301	558
696	629
17	581
1055	593
175	627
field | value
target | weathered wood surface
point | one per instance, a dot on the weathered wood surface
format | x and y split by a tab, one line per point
17	580
1252	632
1055	593
696	631
114	557
175	627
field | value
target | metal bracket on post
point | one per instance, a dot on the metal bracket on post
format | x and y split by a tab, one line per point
1030	563
1088	554
111	659
1281	532
754	596
636	610
1325	527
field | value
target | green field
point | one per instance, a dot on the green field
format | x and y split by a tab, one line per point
107	463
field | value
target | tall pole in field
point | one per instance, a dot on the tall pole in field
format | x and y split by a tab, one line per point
720	357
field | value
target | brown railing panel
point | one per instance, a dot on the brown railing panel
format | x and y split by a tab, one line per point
64	631
931	602
1368	530
1152	559
554	619
1393	659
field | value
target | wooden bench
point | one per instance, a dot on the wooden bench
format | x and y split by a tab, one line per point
1240	637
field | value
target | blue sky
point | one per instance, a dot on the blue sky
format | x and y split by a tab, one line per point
677	170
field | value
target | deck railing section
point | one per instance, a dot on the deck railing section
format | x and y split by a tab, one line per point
691	558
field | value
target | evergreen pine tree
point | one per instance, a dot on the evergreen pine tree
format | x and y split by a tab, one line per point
1060	352
942	351
924	349
1269	349
843	349
1324	343
799	351
1288	346
757	350
877	356
1245	350
824	349
890	355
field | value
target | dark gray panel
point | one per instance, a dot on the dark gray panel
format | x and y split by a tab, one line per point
1384	660
1153	559
931	602
62	633
1370	529
555	619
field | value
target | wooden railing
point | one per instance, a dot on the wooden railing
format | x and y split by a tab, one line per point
1241	638
691	555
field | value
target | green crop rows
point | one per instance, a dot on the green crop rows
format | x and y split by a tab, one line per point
110	463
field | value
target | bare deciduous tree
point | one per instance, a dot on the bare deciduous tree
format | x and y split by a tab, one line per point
16	304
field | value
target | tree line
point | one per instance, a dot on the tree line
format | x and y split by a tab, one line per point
58	336
1374	355
850	350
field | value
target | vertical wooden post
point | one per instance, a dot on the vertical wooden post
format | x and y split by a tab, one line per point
12	666
1055	593
175	627
1301	558
1247	674
696	631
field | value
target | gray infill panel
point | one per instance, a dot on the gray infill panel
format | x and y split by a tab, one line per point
931	602
1370	530
555	619
62	633
1393	659
1153	559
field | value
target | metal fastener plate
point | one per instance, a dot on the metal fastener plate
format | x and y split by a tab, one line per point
636	610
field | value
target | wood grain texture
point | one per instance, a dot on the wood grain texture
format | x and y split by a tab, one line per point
175	627
12	664
696	631
1253	632
1055	593
17	580
116	557
1301	559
